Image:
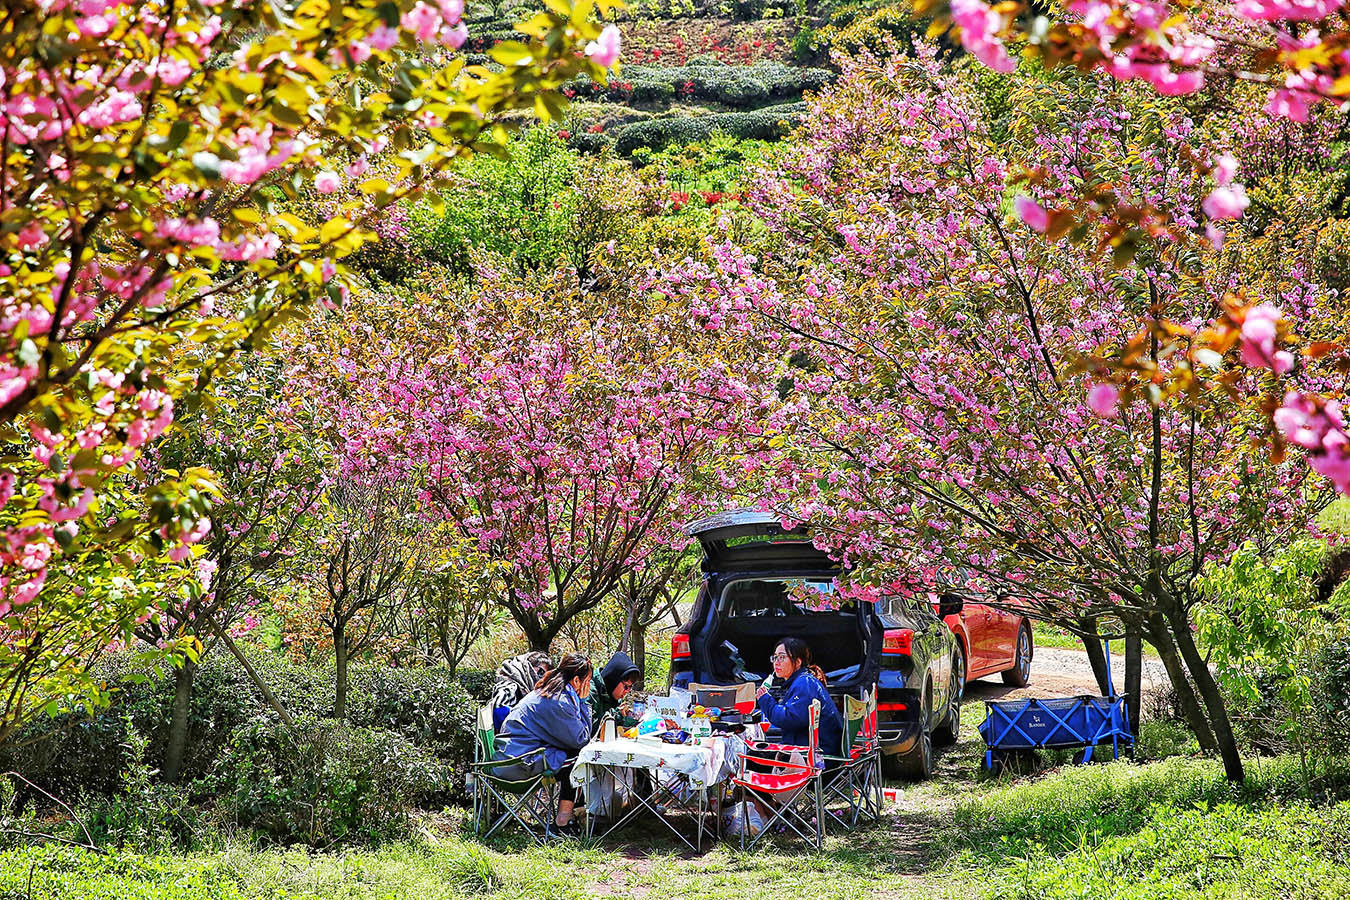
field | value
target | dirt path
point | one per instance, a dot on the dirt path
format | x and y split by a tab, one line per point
1058	672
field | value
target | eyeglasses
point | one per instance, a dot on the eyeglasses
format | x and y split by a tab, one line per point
779	657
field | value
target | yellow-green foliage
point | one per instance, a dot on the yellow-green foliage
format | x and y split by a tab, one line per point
881	32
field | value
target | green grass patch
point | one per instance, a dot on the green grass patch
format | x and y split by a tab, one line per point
1225	851
1171	829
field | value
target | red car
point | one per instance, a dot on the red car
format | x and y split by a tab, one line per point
992	641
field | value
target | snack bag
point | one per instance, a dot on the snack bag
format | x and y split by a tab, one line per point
650	724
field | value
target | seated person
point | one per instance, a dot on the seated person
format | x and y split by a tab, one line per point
515	678
609	688
554	718
800	683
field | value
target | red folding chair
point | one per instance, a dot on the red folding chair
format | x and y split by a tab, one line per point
802	807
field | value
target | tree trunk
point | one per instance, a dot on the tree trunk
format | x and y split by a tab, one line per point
1210	693
1176	673
1134	675
253	675
340	687
638	649
178	722
1096	654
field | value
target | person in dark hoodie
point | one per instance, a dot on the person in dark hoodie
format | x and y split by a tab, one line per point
609	688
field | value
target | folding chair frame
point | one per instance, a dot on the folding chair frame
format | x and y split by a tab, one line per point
529	802
807	785
858	779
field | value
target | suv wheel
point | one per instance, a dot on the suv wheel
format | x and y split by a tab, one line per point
917	764
949	732
1020	674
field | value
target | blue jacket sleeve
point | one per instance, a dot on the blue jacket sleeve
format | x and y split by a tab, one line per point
793	714
575	732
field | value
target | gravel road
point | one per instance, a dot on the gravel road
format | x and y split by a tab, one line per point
1057	672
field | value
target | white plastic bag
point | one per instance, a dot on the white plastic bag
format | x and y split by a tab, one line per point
606	794
735	822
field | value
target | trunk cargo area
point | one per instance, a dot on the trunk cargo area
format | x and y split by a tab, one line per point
755	614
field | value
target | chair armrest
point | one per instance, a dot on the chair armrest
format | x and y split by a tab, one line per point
775	763
495	763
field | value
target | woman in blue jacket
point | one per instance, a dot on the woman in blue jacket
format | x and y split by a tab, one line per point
556	719
792	664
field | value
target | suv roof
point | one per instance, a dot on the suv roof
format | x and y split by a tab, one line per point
751	539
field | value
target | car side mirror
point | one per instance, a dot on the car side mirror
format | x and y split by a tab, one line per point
950	605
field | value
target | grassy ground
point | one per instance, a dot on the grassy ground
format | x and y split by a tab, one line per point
1170	829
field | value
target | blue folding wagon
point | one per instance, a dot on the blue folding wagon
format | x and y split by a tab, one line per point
1015	726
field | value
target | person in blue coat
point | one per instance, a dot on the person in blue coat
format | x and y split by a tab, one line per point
800	685
555	717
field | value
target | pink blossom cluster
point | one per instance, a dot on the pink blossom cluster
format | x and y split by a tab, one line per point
1260	330
1309	84
1149	45
1290	10
24	556
605	49
436	22
980	26
1318	426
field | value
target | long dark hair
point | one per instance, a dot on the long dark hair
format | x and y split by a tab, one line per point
797	649
572	665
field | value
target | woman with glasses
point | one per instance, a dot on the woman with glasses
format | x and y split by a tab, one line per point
800	685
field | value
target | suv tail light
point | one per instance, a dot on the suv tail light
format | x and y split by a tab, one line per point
897	641
679	647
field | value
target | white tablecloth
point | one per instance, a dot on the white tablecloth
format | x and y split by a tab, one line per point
709	762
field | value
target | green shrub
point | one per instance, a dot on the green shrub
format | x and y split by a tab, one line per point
590	142
426	707
737	86
804	44
1330	693
520	208
478	683
77	756
142	814
322	782
766	124
1161	739
853	29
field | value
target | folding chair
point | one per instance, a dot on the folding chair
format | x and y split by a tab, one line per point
855	775
529	802
803	807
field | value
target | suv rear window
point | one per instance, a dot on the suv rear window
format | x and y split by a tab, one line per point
770	597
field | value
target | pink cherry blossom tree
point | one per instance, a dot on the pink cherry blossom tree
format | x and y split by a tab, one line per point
153	154
557	428
938	430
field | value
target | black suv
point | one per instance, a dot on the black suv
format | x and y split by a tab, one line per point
762	583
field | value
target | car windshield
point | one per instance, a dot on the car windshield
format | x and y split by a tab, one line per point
767	597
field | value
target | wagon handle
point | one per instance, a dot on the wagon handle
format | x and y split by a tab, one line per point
1110	682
